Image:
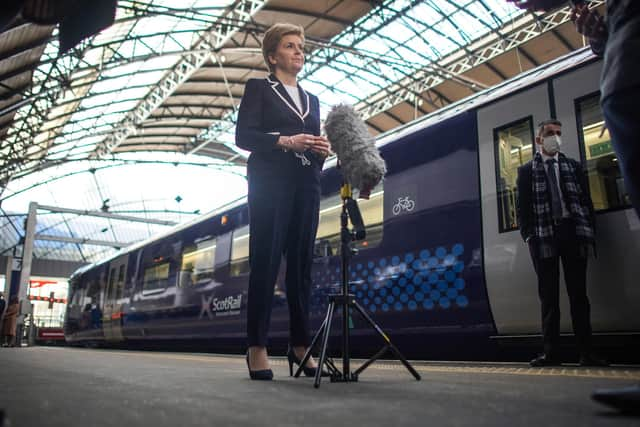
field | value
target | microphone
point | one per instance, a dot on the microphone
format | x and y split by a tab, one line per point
362	166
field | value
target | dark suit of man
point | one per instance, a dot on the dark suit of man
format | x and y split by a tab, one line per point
284	198
564	246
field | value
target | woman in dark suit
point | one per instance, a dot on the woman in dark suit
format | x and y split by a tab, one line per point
279	123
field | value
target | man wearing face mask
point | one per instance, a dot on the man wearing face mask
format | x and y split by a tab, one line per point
556	219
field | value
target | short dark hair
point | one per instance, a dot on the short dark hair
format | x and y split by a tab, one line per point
272	38
544	123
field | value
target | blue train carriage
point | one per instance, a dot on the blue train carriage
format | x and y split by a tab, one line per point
442	264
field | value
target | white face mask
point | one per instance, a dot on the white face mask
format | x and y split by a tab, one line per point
551	144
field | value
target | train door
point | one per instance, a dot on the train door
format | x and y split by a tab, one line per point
506	141
612	277
506	136
112	313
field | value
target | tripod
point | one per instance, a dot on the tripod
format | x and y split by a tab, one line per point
347	302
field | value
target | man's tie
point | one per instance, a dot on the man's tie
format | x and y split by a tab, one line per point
556	207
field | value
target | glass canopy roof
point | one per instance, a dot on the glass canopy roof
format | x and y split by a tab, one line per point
124	63
425	33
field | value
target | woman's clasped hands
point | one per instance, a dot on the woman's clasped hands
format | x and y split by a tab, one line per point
303	142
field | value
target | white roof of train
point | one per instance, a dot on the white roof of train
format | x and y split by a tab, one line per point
521	81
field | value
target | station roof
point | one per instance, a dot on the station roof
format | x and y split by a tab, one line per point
156	94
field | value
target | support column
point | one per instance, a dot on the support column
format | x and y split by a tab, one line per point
27	250
7	278
25	274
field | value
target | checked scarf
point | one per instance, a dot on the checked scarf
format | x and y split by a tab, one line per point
574	200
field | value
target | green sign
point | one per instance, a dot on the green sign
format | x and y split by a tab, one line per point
600	149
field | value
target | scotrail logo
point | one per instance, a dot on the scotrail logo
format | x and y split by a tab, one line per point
228	306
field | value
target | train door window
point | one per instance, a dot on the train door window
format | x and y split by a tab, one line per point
605	181
240	252
112	280
513	147
121	274
328	235
198	263
156	276
120	285
223	250
92	296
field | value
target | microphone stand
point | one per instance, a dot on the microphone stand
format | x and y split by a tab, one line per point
347	302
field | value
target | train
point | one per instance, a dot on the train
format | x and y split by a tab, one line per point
443	268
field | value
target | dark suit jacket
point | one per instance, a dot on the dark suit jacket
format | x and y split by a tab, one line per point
525	199
267	112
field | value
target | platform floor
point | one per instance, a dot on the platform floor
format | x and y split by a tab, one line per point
55	386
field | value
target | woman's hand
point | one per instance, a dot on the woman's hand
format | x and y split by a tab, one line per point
321	147
299	143
303	142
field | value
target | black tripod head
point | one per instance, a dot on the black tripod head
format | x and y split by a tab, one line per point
350	206
358	232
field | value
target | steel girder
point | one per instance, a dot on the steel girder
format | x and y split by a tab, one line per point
52	82
324	55
16	151
83	241
455	64
212	39
25	148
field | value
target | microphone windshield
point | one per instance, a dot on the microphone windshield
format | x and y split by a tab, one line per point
361	163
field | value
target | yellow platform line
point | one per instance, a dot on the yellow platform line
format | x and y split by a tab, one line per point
613	373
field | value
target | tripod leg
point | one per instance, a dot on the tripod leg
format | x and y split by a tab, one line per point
333	370
372	359
325	342
390	345
404	361
307	355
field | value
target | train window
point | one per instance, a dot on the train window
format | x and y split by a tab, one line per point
120	284
372	210
198	263
156	277
605	181
112	278
240	252
513	145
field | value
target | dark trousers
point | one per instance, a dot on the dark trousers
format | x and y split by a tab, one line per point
283	219
574	265
623	121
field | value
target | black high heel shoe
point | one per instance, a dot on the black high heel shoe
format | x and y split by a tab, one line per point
263	374
308	372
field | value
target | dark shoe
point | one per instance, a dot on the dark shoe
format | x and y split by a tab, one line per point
544	360
263	374
625	399
591	360
309	372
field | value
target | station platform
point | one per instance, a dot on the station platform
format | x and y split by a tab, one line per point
59	386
